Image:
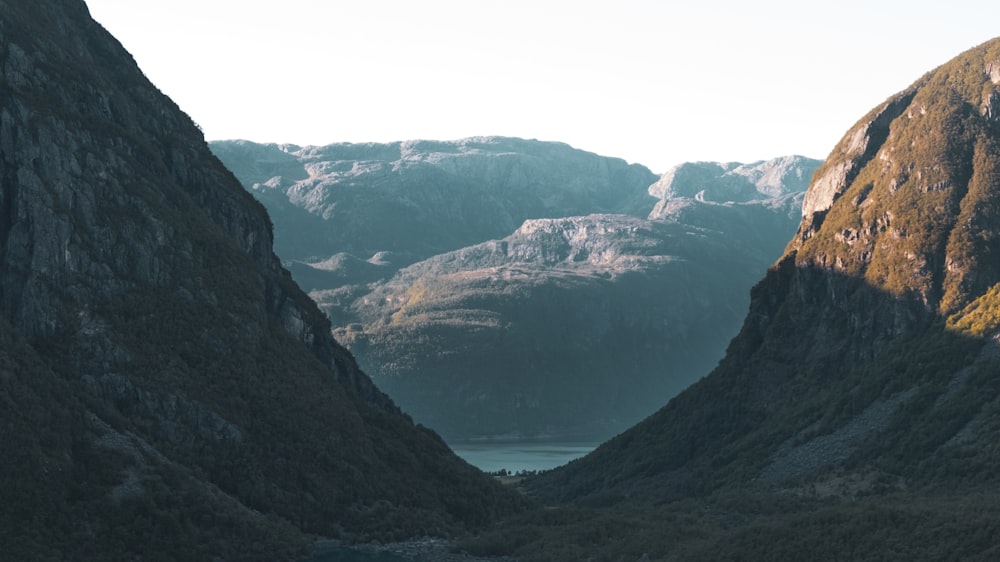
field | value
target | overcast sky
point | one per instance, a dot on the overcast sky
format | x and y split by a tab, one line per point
653	82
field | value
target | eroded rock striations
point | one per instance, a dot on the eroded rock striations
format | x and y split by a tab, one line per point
166	388
867	363
577	293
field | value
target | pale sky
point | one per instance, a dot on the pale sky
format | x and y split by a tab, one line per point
653	82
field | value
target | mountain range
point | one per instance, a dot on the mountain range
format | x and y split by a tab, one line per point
508	288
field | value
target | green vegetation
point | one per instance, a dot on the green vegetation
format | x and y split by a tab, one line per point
980	317
747	526
64	496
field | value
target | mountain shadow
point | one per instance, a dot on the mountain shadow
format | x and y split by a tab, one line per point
879	393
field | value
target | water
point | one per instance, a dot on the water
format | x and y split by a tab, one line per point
349	555
520	455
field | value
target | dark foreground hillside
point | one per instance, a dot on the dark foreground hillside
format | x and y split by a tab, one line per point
855	417
166	390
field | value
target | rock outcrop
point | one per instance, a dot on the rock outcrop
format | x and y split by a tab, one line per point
167	387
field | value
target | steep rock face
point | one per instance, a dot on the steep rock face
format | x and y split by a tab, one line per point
142	302
421	198
867	362
852	154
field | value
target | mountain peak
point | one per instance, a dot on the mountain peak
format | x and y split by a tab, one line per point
907	199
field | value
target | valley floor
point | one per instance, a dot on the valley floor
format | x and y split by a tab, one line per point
736	526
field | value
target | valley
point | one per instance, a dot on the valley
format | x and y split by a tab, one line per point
241	351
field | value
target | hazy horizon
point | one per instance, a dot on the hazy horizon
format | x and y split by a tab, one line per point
651	82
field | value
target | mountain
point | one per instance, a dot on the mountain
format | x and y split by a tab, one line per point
407	201
854	416
167	390
569	325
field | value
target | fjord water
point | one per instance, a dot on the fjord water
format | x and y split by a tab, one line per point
350	555
517	456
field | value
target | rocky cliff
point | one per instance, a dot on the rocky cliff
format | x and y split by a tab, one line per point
866	366
168	389
559	310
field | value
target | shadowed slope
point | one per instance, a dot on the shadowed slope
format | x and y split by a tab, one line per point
195	404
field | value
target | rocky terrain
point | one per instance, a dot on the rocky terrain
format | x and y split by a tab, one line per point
166	390
577	293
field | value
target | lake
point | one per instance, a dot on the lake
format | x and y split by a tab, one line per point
516	456
349	555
